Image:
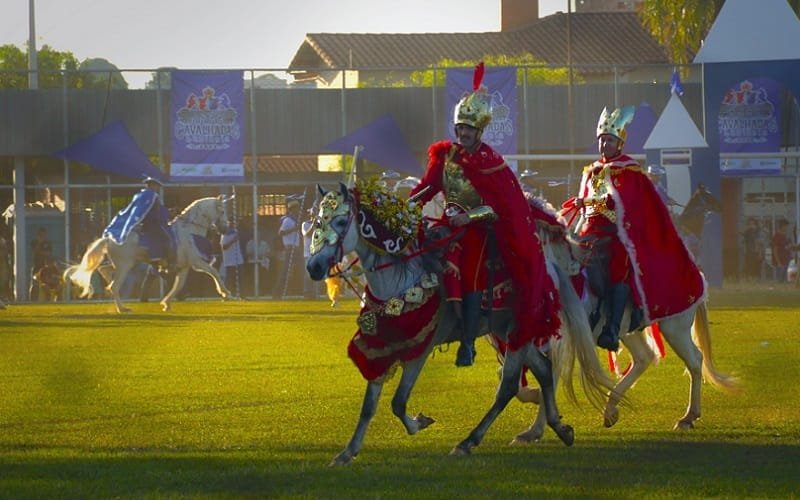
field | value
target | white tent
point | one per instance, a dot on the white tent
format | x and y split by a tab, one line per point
675	129
750	30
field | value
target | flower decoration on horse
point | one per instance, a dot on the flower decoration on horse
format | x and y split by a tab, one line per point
388	222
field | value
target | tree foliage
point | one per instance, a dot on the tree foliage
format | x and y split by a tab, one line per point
54	66
529	69
681	25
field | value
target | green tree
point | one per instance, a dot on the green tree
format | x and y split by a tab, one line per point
681	25
53	67
160	78
529	69
99	71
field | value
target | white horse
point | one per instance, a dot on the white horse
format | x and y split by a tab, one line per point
391	276
687	333
194	221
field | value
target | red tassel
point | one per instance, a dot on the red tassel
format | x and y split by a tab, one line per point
612	362
477	78
659	339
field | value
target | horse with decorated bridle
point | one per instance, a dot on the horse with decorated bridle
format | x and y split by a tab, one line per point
687	332
189	229
405	315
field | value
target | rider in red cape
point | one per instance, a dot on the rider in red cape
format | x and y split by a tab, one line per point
648	262
482	191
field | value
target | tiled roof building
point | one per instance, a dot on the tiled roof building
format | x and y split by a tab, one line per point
599	40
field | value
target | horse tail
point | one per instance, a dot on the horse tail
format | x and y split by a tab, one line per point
81	274
701	335
578	342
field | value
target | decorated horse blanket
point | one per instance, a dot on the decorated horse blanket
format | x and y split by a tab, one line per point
396	330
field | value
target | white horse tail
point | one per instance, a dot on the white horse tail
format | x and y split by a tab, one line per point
81	275
578	341
702	338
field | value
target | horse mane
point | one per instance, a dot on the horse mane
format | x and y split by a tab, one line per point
191	207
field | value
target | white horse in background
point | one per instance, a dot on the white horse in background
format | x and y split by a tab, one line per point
688	334
194	221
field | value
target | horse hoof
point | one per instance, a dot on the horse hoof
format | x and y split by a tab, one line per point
165	307
423	421
342	458
610	417
683	425
565	433
460	451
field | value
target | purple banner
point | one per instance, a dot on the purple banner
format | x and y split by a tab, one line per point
750	121
501	133
207	132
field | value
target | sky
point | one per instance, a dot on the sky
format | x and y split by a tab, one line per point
232	34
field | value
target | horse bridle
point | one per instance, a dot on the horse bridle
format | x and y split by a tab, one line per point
332	206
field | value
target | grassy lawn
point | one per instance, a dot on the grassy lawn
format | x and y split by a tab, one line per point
253	399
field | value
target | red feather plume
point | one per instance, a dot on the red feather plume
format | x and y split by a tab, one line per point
477	78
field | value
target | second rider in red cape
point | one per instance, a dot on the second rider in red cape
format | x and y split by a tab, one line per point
482	192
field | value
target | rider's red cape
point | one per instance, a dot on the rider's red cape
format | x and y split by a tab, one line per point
666	275
536	303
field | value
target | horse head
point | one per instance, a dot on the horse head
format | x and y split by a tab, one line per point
701	203
333	234
221	216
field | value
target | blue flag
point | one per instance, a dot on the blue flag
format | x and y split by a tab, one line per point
675	85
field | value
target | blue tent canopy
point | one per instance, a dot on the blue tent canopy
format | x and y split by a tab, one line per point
382	143
112	150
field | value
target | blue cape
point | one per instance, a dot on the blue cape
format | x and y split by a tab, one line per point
131	216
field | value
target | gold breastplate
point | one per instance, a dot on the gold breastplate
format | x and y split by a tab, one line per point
458	189
598	193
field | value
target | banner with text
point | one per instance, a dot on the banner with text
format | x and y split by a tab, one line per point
750	122
501	133
207	114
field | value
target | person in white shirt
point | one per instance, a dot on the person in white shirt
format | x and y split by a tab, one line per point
232	259
289	232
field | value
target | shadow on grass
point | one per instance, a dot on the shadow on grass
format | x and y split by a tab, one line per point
591	469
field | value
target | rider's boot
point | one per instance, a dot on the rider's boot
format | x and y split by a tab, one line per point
470	315
637	319
617	300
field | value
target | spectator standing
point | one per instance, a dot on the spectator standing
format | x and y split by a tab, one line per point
257	259
232	259
781	250
289	233
753	250
41	250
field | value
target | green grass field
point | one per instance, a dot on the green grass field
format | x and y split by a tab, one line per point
253	399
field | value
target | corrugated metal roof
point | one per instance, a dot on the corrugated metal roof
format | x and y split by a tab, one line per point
598	38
